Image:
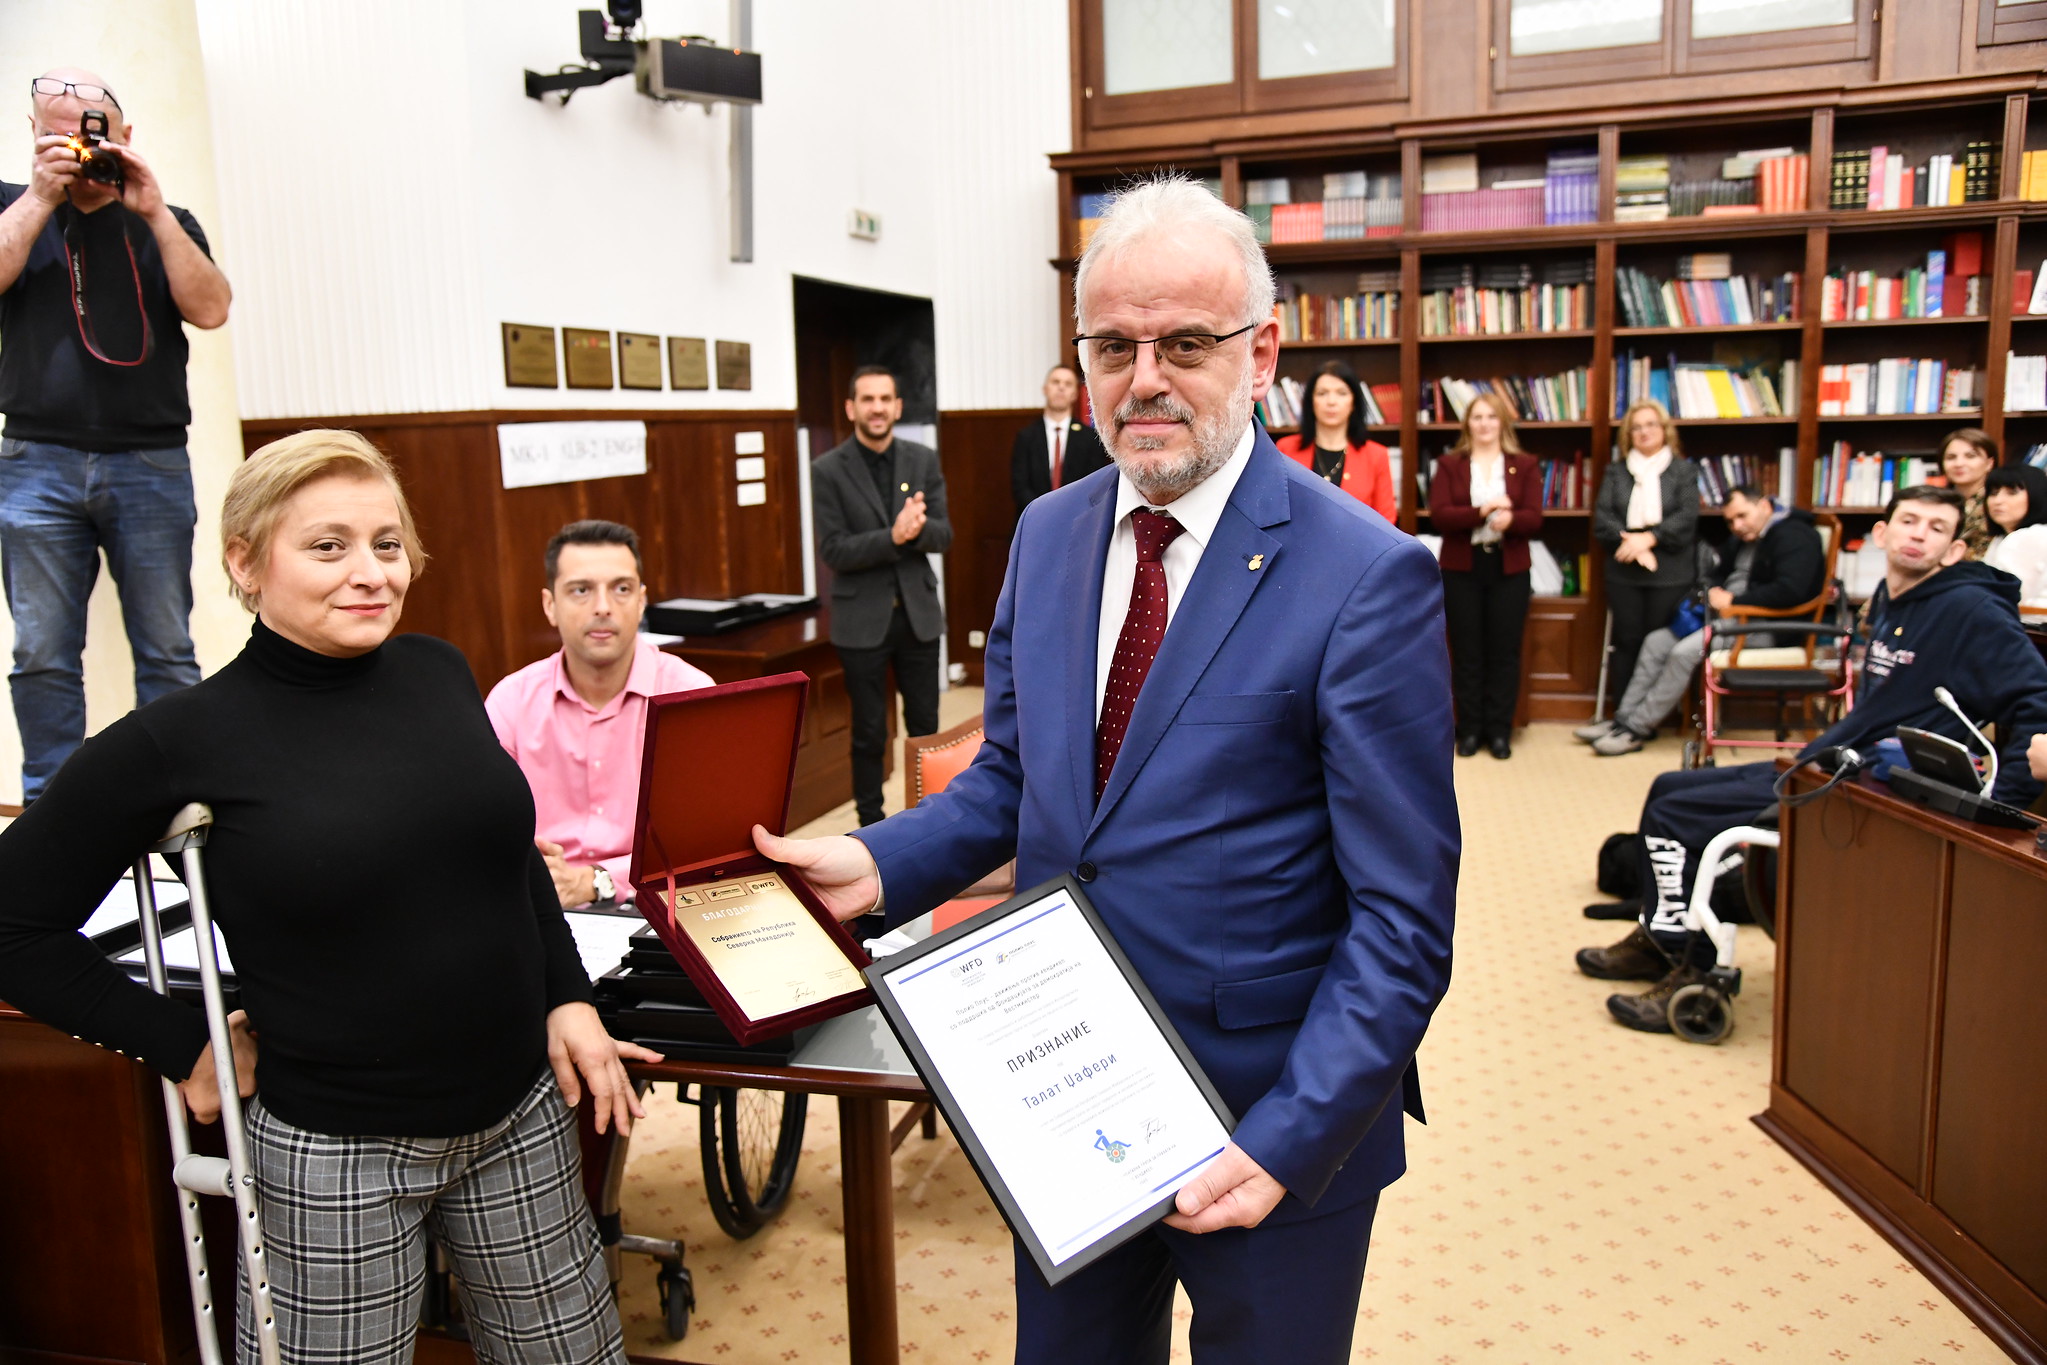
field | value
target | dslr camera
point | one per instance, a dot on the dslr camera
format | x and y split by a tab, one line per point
95	161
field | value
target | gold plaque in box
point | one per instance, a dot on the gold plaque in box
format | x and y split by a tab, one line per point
639	361
529	357
689	363
589	357
735	365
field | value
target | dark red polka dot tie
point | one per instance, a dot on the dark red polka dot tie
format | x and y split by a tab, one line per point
1144	625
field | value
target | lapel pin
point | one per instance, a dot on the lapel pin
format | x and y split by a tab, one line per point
906	488
1257	563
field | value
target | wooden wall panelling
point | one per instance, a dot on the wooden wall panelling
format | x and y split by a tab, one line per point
482	587
1872	951
1991	1105
974	447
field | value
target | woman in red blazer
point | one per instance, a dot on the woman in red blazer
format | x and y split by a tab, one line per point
1485	501
1332	441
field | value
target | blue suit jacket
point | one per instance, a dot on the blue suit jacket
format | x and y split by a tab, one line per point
1277	847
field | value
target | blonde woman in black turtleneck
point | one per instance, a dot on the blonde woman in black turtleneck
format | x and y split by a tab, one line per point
422	1012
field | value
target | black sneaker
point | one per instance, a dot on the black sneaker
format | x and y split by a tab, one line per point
1649	1012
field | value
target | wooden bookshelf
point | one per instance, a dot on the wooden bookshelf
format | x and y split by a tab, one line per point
1808	243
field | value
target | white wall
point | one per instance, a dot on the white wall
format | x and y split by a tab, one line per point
398	196
148	51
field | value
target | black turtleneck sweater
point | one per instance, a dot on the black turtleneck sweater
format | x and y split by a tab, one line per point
395	934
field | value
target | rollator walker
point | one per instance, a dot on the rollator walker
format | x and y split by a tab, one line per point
195	1175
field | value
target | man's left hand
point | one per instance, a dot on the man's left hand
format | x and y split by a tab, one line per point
1719	599
140	192
1232	1191
580	1051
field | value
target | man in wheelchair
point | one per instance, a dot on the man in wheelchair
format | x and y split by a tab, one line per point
1936	620
1777	561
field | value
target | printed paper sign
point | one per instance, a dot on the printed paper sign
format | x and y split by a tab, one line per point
535	453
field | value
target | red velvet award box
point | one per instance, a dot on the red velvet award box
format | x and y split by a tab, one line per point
751	933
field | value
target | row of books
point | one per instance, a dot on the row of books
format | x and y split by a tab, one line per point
1899	385
1286	403
1878	178
2033	175
1566	486
1371	313
1562	397
1719	474
1649	302
1510	204
1865	296
1843	478
1469	310
2025	382
1332	220
1695	390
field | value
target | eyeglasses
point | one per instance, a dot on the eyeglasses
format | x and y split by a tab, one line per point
88	94
1182	350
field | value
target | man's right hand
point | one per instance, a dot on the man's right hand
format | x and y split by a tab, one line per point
839	868
56	167
910	521
201	1089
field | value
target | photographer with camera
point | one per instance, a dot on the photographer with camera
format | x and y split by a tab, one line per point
97	273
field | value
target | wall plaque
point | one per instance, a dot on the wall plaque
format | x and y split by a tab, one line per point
689	365
639	361
535	453
588	353
735	365
529	356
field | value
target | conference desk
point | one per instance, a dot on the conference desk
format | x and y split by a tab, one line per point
1911	1024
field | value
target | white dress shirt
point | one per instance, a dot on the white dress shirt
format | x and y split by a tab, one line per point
1197	510
1487	483
1058	435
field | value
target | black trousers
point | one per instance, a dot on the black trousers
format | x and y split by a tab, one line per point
1637	609
1684	811
1487	611
916	668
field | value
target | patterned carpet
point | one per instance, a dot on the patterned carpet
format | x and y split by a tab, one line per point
1583	1193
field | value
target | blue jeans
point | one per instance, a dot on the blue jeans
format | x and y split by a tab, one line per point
58	509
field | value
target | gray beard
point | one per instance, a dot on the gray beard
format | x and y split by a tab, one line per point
1215	439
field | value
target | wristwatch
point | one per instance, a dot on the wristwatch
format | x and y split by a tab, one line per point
600	879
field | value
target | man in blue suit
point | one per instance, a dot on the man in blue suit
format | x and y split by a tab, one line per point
1217	694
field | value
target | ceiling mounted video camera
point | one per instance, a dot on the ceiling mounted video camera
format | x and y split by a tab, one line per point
693	68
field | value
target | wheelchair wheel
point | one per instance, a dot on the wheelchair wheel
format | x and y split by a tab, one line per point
752	1141
678	1299
1700	1014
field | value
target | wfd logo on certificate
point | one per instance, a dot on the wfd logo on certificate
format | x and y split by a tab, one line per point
1084	1111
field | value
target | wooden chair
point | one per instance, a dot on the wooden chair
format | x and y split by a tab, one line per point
929	763
1781	672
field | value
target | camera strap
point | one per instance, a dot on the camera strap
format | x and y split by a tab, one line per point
74	260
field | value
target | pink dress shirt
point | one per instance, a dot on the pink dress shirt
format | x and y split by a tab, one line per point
584	764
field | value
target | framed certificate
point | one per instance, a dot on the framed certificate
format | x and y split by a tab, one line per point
1076	1101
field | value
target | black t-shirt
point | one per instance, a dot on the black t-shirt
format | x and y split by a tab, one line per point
881	464
51	386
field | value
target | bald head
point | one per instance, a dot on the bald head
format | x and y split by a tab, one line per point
59	112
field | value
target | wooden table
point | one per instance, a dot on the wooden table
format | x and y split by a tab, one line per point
1911	1027
866	1177
787	644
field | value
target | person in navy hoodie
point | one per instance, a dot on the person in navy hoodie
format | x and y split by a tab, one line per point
1937	620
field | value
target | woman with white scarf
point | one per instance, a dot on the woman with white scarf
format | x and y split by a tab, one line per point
1647	517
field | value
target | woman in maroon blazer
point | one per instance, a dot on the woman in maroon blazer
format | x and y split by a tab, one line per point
1485	501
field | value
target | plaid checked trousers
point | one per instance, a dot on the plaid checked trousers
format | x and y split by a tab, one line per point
345	1221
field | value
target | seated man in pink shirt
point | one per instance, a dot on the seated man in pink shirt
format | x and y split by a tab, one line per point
573	721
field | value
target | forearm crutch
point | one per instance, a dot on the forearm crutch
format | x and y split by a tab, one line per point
196	1175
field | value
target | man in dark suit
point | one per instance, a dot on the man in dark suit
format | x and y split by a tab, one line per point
1218	695
879	504
1057	449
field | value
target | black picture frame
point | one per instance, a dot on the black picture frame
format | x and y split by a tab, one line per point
878	975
